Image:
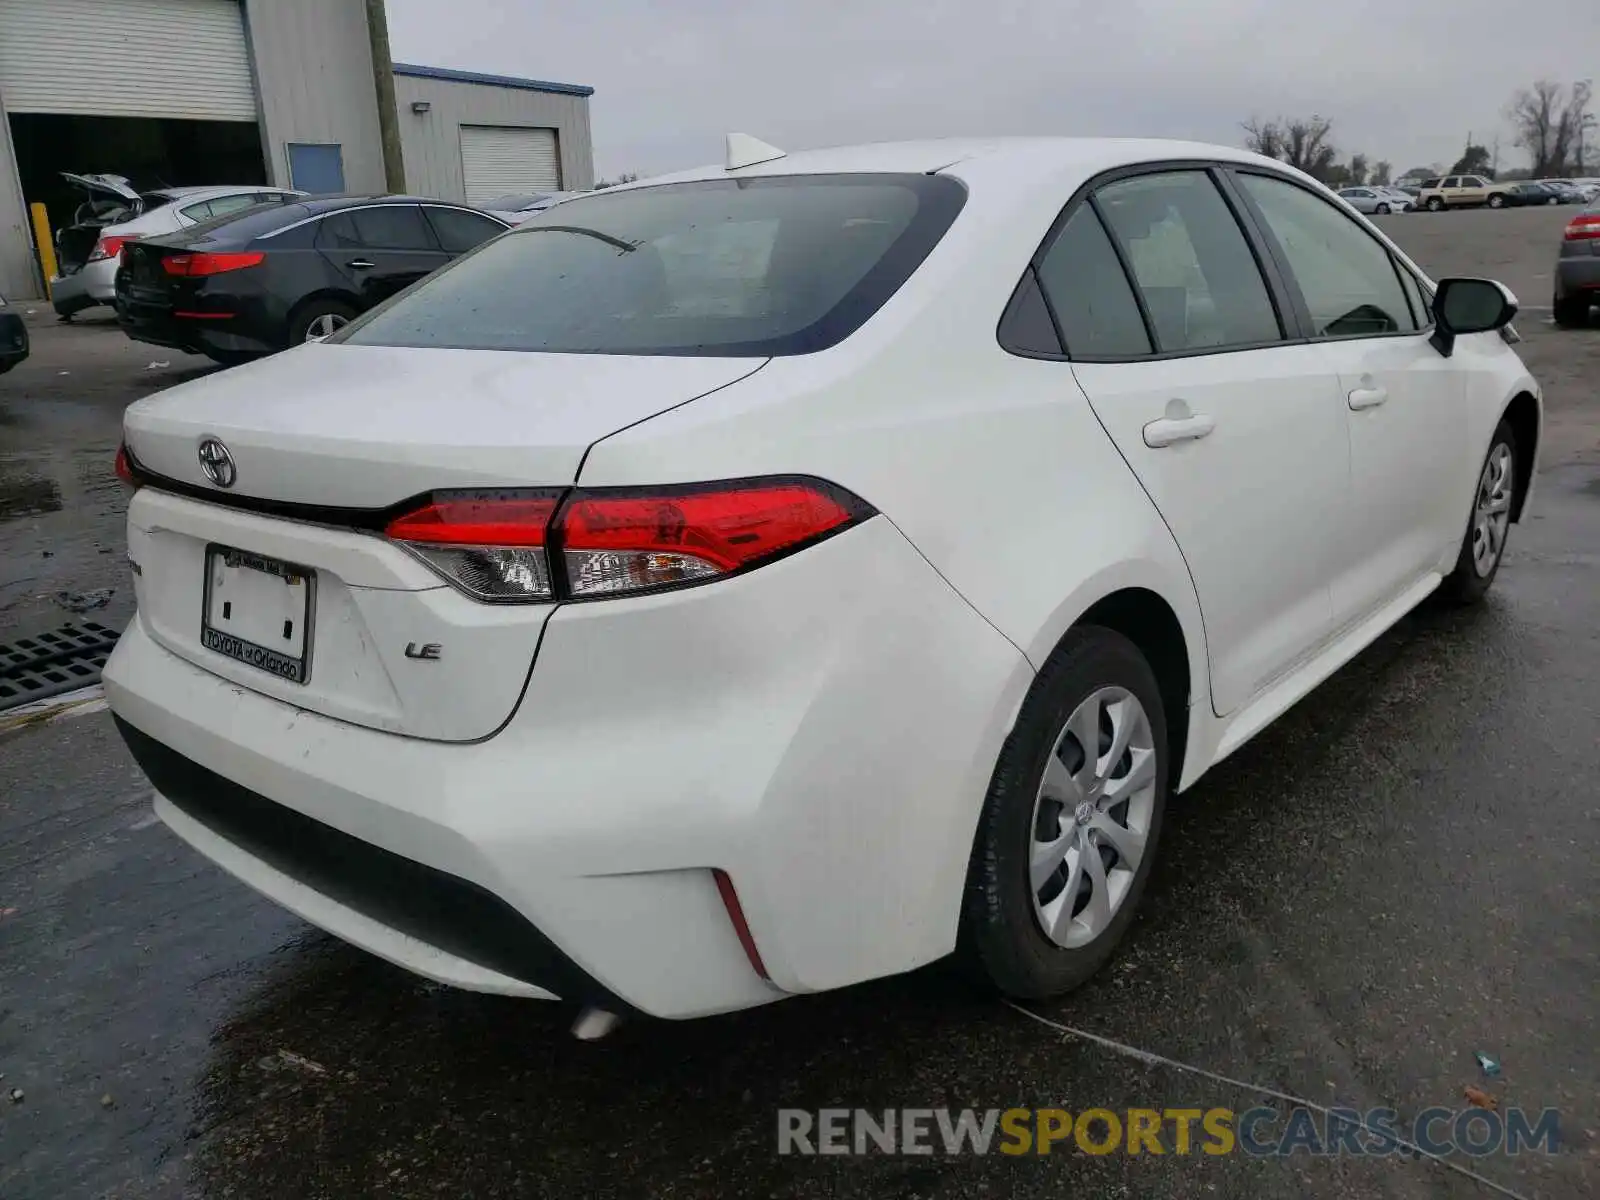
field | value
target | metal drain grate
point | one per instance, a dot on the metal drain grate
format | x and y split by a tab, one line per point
48	664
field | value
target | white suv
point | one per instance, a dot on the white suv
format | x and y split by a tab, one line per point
786	573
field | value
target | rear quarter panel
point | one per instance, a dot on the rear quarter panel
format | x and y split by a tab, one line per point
992	465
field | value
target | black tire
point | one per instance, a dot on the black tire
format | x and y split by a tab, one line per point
1383	210
301	320
1468	583
1001	941
1435	204
230	358
1570	312
1497	201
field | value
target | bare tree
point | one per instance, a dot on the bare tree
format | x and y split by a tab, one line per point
1264	138
1552	124
1534	115
1582	122
625	177
1382	173
1358	169
1301	142
1475	161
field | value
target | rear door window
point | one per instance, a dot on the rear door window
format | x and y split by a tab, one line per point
392	227
1196	274
459	230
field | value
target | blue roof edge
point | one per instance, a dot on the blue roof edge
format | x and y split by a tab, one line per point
505	81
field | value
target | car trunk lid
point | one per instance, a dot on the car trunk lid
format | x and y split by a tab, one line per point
283	583
368	426
113	200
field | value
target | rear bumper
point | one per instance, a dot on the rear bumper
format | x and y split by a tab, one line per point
823	730
13	340
93	283
159	327
1576	275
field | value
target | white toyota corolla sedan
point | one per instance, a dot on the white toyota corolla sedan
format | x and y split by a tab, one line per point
787	573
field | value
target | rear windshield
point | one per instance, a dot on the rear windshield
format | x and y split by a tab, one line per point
778	265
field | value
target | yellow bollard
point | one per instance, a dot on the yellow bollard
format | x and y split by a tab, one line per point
46	246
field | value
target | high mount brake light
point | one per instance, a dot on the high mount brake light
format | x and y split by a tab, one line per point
211	264
502	545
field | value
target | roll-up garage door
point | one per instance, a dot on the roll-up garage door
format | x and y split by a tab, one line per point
499	160
130	58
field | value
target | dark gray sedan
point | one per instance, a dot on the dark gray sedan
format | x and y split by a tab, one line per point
1578	269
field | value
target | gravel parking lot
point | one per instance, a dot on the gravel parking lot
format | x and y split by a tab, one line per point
1398	874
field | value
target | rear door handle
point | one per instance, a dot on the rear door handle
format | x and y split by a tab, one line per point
360	264
1170	430
1368	397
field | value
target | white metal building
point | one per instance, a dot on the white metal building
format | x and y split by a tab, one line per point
170	92
470	137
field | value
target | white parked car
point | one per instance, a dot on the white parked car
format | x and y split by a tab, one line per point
792	572
88	250
518	207
1372	199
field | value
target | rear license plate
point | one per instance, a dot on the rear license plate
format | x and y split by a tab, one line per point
258	610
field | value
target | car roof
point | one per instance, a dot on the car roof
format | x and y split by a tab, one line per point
325	204
195	192
1015	162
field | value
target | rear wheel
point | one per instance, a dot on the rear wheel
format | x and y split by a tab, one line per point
317	319
1571	312
1069	829
1484	544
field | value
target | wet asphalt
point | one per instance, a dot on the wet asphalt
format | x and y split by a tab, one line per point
1398	874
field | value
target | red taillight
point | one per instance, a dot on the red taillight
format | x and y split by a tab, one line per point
109	246
124	467
620	542
490	544
1583	227
211	264
498	545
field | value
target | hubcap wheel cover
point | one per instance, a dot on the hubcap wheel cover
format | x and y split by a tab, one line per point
1491	514
1091	817
323	326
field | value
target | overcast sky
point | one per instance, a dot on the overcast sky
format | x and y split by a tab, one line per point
1403	80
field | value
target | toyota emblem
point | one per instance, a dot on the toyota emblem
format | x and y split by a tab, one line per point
217	463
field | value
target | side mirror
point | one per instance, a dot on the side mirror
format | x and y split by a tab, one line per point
1462	306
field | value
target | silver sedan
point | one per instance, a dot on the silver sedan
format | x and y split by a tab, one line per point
1375	199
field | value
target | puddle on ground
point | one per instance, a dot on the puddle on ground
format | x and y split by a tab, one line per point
28	496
